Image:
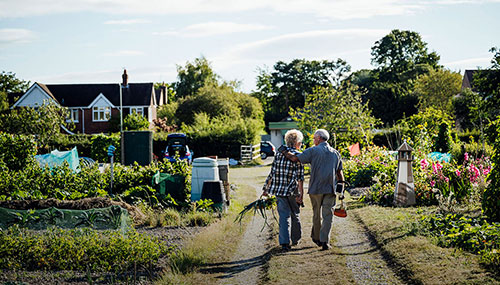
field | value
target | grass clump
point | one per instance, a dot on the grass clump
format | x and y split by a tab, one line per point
198	219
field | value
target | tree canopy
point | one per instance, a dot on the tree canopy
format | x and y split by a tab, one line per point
9	83
400	58
437	89
193	76
339	110
287	85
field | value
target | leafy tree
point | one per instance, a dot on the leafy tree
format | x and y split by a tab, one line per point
216	101
479	107
491	202
287	85
437	89
399	57
338	110
43	122
167	112
401	52
193	77
10	84
487	84
134	122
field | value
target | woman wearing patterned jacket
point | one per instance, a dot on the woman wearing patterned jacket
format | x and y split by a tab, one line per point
285	181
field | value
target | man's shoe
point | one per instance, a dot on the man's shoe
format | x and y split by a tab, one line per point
285	247
325	246
295	243
317	242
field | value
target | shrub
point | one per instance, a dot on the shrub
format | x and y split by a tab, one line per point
475	235
135	122
222	136
100	144
443	141
17	151
491	200
361	170
67	142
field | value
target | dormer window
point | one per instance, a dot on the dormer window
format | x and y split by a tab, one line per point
101	114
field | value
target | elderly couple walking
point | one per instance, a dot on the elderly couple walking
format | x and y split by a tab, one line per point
286	182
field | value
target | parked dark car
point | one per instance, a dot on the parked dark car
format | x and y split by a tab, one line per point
266	149
177	146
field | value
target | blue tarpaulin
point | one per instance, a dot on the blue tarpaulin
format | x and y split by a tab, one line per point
57	158
438	156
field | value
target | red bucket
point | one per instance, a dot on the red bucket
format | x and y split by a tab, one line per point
340	211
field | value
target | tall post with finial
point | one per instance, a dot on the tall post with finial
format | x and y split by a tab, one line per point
404	194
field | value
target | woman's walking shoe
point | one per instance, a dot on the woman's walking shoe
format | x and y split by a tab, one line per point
325	246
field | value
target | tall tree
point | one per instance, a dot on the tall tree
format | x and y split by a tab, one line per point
437	89
400	52
339	110
44	121
193	76
287	85
9	83
399	57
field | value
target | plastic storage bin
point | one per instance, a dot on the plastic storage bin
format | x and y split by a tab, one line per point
204	168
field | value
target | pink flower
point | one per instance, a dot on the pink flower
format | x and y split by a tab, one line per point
434	168
439	166
446	179
466	156
474	173
433	183
457	172
486	171
424	163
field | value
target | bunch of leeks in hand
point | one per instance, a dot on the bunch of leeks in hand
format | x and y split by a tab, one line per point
260	205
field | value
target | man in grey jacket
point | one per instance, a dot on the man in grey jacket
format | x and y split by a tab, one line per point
326	170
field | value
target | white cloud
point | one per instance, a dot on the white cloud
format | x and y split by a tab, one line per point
127	22
469	63
209	29
338	9
309	36
124	53
11	36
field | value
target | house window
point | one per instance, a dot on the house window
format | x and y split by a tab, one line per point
73	115
137	110
101	114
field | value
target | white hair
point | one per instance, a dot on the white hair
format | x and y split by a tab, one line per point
323	134
292	137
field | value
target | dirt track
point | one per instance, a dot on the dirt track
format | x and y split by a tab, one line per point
360	257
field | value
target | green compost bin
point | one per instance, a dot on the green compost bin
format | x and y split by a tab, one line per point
173	184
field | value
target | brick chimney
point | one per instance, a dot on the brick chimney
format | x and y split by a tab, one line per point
125	78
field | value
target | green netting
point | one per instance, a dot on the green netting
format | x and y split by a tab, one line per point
166	183
57	158
113	217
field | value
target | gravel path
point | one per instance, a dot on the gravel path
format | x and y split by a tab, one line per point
251	255
362	256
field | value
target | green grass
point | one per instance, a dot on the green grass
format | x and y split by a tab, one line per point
419	259
213	245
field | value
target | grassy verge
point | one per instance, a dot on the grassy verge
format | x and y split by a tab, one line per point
418	259
214	245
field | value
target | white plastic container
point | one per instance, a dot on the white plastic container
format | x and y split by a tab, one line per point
204	168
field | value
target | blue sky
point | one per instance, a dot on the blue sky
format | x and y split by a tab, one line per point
91	41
